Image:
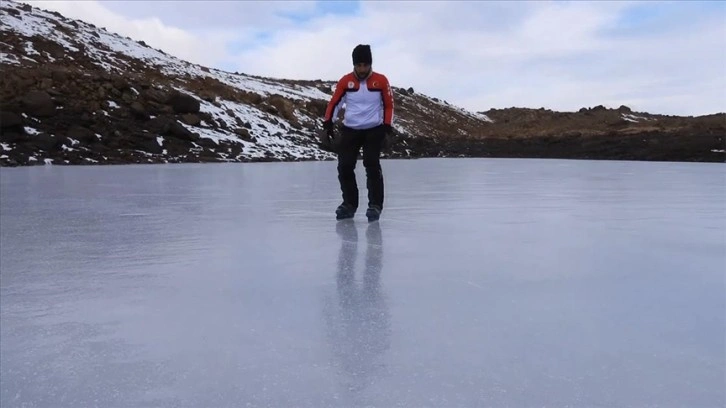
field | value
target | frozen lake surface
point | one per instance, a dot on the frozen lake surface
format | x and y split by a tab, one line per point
488	283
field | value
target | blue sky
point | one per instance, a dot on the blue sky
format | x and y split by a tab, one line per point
647	17
661	57
340	8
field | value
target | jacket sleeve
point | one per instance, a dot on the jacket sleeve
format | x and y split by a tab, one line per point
387	96
335	101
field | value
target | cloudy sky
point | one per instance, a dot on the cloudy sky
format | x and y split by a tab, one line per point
659	57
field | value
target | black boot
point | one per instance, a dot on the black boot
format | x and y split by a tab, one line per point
373	213
344	211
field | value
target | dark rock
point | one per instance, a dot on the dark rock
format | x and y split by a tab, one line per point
176	129
243	134
82	134
283	106
252	98
624	109
155	95
139	111
45	142
53	49
10	120
148	143
127	97
191	119
12	136
177	147
317	107
38	104
121	84
207	96
207	143
183	103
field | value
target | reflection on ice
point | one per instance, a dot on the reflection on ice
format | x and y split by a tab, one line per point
358	324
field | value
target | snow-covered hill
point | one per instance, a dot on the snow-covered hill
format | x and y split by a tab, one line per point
140	94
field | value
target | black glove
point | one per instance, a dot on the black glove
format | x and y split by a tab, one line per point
388	129
328	126
387	136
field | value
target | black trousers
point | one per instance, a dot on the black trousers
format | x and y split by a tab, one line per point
371	140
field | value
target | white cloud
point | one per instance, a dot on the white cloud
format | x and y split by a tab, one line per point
156	33
480	55
191	30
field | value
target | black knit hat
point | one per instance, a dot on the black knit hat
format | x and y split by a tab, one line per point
362	53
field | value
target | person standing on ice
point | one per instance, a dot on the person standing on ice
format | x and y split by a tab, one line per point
367	123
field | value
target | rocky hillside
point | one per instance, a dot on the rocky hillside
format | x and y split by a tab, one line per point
73	93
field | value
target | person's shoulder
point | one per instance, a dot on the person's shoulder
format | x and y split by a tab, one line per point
349	76
379	76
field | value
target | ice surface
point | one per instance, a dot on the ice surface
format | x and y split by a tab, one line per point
502	283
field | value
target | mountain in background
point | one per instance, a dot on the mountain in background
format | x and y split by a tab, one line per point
73	93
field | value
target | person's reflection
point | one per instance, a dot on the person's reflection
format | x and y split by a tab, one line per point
359	325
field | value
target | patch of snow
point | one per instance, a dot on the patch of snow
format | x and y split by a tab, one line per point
4	156
484	117
633	118
8	59
718	150
90	160
31	131
48	161
112	104
160	140
147	154
36	23
66	148
29	49
6	147
98	136
32	158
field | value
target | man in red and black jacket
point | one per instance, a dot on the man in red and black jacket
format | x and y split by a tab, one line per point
367	123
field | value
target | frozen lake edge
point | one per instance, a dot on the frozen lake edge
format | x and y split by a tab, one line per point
487	282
